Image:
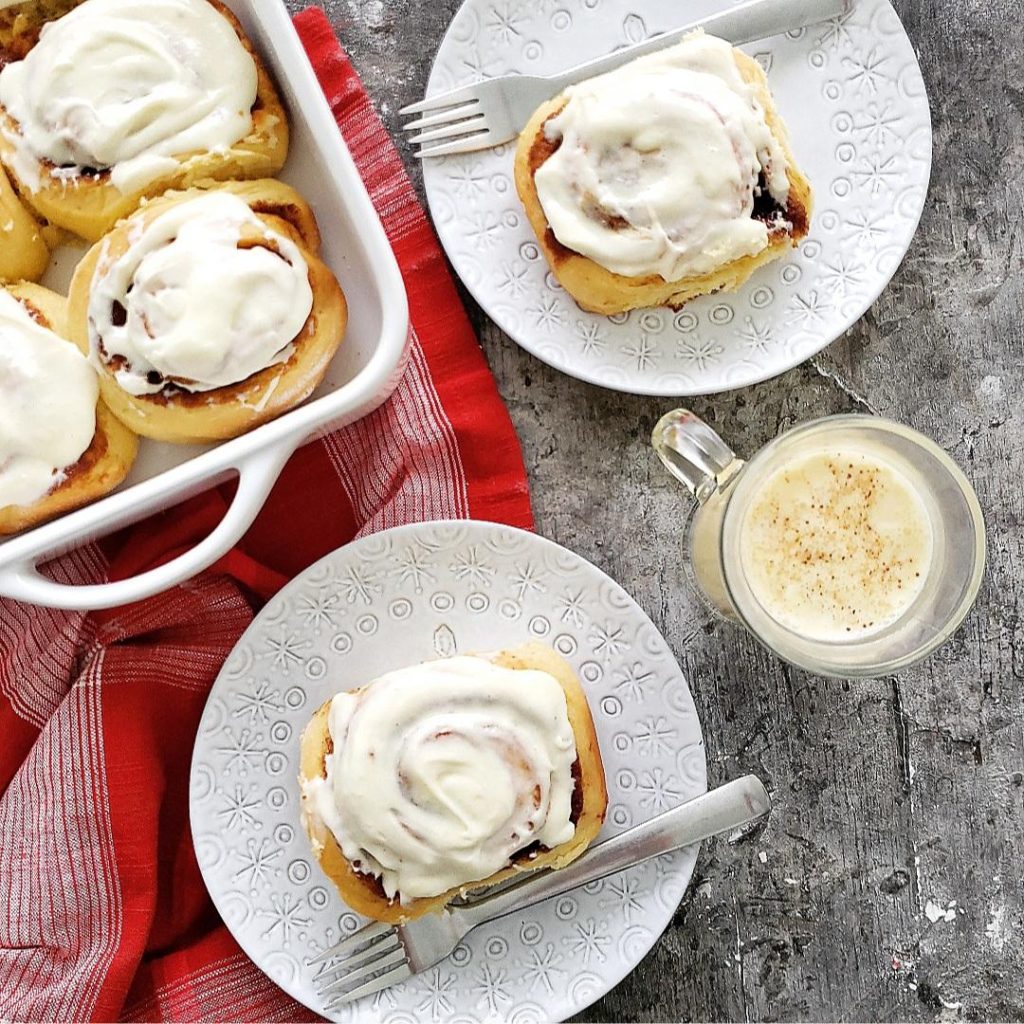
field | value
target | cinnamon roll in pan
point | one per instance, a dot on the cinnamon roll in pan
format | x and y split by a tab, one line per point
458	727
208	311
24	254
222	119
718	262
52	407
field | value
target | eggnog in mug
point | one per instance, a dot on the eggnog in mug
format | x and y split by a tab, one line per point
836	544
849	545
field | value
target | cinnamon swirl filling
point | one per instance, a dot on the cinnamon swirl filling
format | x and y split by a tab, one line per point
441	774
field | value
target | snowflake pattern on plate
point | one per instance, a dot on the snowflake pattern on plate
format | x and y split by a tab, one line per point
852	94
457	587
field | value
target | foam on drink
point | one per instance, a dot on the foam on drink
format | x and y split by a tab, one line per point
836	545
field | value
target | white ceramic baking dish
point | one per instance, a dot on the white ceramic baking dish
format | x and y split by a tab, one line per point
362	375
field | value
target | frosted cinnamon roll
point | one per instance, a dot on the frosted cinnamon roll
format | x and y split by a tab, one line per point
668	178
123	99
448	776
59	445
208	312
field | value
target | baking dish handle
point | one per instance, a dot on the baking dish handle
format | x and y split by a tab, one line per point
256	477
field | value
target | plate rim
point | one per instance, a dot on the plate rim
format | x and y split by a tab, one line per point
787	362
690	854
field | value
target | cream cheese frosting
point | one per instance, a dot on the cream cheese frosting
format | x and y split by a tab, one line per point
441	772
659	162
48	395
128	85
186	303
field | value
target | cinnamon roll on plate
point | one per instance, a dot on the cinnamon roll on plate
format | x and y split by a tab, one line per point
208	311
449	776
668	178
24	254
60	447
123	99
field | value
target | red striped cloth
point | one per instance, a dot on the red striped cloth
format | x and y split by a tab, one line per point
103	913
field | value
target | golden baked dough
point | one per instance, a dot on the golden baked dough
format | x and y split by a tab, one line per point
102	466
181	416
364	894
24	254
598	290
21	23
88	204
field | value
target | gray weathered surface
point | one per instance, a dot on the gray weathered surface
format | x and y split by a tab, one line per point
889	793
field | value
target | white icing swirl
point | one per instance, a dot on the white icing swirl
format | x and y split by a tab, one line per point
442	772
129	85
659	162
48	395
186	303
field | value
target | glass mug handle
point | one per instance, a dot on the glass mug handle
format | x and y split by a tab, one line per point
694	454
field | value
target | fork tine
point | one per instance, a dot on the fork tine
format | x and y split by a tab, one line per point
464	145
450	114
364	974
352	943
393	977
350	963
445	99
451	131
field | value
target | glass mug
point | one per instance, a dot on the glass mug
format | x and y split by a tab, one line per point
746	574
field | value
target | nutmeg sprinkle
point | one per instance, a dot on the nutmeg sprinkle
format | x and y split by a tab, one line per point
836	544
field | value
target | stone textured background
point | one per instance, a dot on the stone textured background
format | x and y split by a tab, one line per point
890	794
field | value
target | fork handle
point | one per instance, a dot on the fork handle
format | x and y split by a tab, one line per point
730	806
755	19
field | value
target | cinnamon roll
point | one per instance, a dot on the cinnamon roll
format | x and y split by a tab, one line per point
208	312
449	776
60	447
24	254
123	99
668	178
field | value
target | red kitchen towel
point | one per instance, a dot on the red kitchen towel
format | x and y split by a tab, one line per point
103	913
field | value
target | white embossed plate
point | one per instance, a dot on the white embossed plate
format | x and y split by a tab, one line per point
394	599
853	96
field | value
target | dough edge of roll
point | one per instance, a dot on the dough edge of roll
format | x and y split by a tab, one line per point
598	290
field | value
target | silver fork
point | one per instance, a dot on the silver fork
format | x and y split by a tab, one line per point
380	955
491	112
